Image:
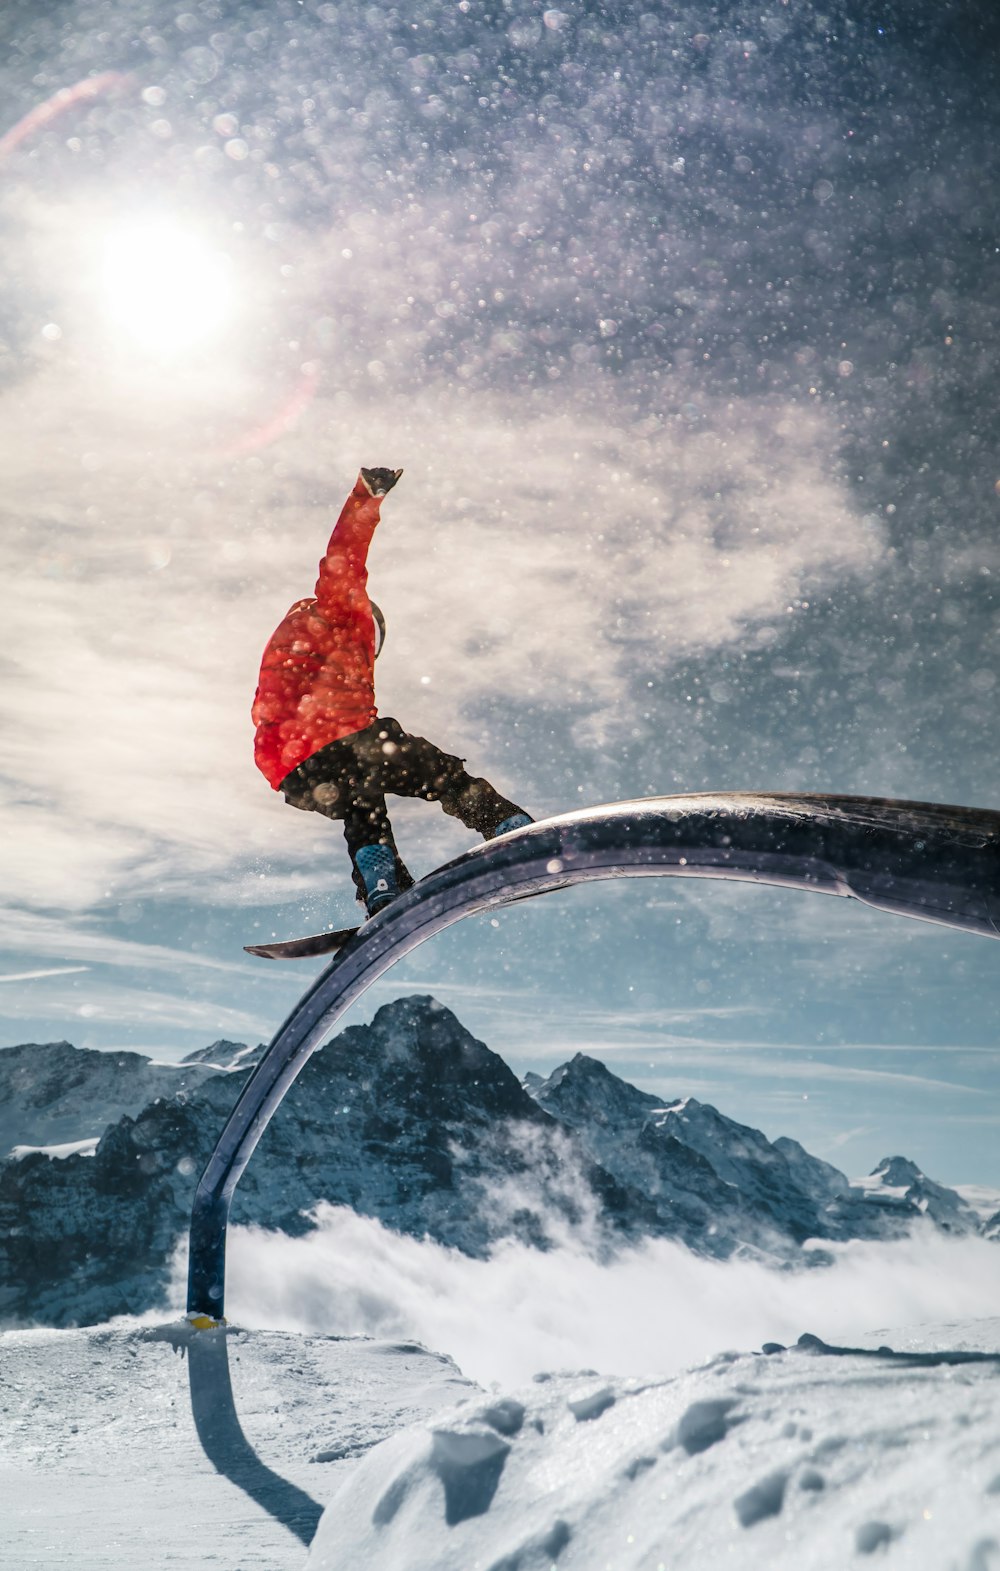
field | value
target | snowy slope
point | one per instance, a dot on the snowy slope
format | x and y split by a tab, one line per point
101	1467
799	1461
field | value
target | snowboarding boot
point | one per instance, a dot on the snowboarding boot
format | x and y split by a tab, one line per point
376	867
515	821
379	481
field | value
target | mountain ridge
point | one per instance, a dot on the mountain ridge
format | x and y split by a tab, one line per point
413	1121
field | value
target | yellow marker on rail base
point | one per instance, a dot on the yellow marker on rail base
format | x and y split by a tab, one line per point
201	1322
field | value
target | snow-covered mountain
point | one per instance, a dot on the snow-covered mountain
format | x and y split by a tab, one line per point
898	1184
716	1183
52	1093
226	1055
413	1121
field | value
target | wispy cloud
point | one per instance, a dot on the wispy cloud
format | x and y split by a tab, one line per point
24	932
32	976
137	1019
779	1065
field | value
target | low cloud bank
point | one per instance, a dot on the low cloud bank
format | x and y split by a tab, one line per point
652	1310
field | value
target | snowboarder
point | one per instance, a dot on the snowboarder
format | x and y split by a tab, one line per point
320	739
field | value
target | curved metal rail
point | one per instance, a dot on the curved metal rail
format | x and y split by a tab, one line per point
913	858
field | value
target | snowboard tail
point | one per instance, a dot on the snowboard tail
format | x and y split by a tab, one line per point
329	943
303	948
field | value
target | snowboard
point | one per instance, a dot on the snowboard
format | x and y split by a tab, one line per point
329	943
304	948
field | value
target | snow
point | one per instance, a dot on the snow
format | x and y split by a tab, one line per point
643	1445
802	1460
101	1464
57	1152
807	1458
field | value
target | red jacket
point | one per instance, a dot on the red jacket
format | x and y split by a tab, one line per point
317	678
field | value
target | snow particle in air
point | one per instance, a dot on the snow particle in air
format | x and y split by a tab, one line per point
525	33
203	64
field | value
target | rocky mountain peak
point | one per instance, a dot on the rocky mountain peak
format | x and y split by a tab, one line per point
226	1055
584	1088
52	1092
418	1050
898	1171
898	1181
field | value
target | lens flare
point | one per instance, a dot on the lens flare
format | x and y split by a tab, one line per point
165	288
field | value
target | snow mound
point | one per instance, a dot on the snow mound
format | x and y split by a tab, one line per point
809	1459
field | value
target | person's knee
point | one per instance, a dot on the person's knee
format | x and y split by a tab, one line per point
302	800
323	797
326	795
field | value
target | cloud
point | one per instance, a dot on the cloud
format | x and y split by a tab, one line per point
780	1063
33	976
546	553
141	987
144	1008
33	932
652	1310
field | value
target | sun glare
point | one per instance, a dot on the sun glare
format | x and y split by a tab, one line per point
165	288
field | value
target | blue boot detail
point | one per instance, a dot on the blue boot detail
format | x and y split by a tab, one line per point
377	867
515	821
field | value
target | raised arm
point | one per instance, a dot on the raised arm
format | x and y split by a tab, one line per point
343	572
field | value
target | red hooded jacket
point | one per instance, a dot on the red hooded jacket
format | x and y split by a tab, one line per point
317	677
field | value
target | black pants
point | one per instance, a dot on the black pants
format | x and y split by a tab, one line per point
350	778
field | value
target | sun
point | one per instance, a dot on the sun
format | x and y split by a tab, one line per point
166	288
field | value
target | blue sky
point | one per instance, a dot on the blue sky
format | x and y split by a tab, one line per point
681	323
